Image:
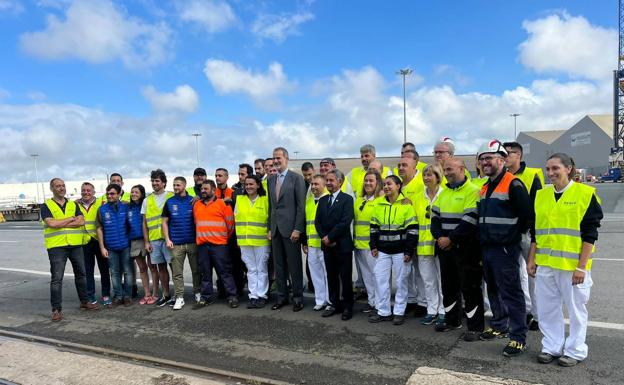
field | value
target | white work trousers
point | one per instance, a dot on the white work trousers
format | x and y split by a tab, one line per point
416	285
256	259
430	273
554	288
367	263
388	265
318	273
527	283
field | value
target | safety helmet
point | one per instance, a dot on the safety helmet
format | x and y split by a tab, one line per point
493	146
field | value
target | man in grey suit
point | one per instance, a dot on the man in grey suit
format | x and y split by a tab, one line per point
287	222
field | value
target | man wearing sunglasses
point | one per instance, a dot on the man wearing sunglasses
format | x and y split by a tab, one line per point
504	208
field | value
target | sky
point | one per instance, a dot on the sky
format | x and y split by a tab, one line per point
101	86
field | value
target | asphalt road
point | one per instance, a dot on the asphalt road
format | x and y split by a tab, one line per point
303	347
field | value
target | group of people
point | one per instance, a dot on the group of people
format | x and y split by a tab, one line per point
453	246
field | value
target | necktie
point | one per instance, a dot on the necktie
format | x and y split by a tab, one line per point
278	185
331	200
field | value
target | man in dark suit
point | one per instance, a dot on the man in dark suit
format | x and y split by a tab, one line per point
333	225
287	222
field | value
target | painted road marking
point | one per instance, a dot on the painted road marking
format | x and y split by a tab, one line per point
595	324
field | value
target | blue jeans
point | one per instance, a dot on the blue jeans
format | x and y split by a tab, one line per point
92	255
120	262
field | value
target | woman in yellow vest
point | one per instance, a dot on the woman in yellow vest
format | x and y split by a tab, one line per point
428	263
251	214
363	211
567	218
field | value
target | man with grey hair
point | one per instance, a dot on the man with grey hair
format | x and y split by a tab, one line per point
334	216
444	150
356	176
286	192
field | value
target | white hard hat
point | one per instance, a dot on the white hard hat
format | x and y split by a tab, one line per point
493	146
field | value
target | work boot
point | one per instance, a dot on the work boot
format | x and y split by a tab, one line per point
57	315
89	306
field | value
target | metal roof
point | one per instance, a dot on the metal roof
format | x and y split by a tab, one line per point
546	137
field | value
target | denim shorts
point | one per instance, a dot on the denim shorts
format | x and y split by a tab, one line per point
160	252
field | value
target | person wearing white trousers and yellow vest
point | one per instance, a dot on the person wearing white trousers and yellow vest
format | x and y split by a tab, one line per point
312	244
251	215
567	217
363	211
394	234
428	263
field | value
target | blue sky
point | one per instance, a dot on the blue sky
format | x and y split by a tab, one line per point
252	75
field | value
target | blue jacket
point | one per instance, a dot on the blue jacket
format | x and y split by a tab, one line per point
181	221
135	219
114	219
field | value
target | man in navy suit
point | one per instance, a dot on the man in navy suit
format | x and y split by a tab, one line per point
333	225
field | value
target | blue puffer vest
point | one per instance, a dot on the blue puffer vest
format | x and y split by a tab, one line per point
181	222
135	219
115	226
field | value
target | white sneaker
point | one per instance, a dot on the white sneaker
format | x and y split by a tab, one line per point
197	297
178	303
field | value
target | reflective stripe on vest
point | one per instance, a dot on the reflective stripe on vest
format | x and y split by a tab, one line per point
252	221
89	228
310	214
64	236
497	218
393	220
426	242
558	226
153	217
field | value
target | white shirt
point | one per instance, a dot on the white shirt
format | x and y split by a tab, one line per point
160	201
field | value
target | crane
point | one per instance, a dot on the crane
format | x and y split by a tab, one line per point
616	158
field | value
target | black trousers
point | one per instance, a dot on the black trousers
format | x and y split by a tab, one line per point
339	266
239	270
58	258
287	261
462	275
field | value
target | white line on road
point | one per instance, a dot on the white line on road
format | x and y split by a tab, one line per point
9	241
608	259
595	324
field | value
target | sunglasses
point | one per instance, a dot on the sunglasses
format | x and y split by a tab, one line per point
362	206
428	213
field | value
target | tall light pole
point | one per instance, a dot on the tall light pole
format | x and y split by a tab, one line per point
197	135
404	72
35	156
296	154
515	116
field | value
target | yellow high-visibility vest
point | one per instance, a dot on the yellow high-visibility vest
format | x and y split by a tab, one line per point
422	208
558	226
89	228
310	214
153	216
527	176
64	236
252	221
362	214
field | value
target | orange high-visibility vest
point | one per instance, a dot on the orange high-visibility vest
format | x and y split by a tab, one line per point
214	222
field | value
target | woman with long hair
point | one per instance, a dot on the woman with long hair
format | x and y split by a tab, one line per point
137	246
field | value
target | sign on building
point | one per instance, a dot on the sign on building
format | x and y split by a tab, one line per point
526	148
580	139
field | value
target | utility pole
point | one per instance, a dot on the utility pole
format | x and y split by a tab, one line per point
404	72
35	156
515	116
197	135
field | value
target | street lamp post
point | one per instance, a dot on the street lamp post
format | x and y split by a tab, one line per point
34	156
404	72
296	154
515	116
197	135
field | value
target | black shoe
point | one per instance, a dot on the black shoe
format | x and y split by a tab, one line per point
233	302
368	309
471	336
491	334
279	305
203	302
329	311
260	303
445	327
567	361
360	295
534	325
252	303
297	306
375	318
163	301
347	314
514	348
398	320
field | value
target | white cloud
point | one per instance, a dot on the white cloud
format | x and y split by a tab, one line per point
279	27
97	31
183	99
570	45
36	96
213	16
13	7
263	88
4	94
